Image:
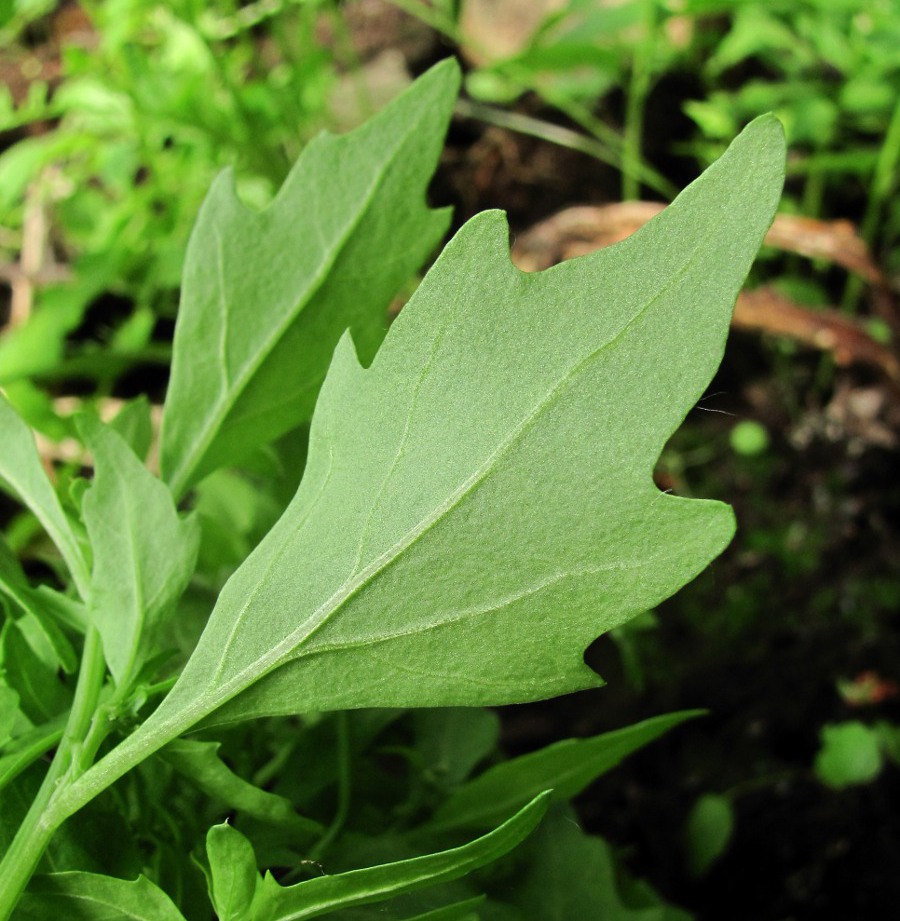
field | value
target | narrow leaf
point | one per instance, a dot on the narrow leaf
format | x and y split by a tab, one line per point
144	553
21	471
199	762
25	749
479	505
268	294
566	767
78	896
317	897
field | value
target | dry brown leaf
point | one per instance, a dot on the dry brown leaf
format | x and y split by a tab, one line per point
580	230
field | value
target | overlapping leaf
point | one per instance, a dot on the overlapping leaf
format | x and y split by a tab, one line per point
479	505
21	470
266	295
144	553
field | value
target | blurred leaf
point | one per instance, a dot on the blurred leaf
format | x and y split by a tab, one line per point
708	831
134	423
565	767
850	754
564	874
454	740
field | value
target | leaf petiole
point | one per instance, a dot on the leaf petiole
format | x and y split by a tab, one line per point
42	821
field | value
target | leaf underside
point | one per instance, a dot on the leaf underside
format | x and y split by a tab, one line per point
268	294
478	505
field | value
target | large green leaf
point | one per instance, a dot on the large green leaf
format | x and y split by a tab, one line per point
479	504
21	471
567	767
78	896
144	553
266	295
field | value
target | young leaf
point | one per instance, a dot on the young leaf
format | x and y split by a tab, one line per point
567	767
235	877
199	762
708	830
144	553
77	896
21	470
271	292
317	897
479	505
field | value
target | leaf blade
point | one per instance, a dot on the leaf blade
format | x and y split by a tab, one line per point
144	552
20	468
317	897
275	327
467	547
567	767
85	896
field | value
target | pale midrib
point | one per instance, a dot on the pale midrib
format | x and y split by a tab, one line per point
153	734
287	648
140	611
214	419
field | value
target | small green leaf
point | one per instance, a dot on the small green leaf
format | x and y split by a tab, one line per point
42	695
709	827
199	762
850	754
235	877
135	424
23	474
76	896
316	897
144	553
566	767
270	293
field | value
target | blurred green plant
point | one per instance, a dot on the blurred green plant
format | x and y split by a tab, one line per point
153	100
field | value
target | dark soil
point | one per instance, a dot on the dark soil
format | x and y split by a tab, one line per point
808	595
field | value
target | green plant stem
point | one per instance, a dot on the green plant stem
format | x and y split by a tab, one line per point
608	145
634	111
345	780
883	179
537	128
40	824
